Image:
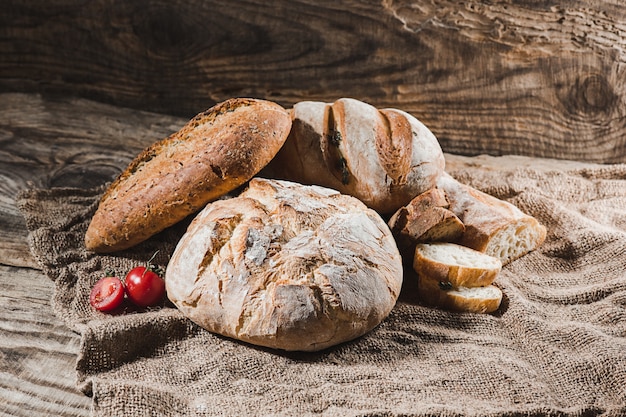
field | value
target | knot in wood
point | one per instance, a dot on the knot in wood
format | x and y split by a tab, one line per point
592	94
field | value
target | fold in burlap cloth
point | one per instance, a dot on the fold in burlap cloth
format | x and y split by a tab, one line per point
556	347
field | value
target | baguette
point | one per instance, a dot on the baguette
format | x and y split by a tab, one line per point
493	226
383	157
214	153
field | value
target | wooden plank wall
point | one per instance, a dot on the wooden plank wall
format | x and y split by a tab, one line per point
536	78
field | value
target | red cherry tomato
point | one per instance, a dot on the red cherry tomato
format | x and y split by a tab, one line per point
144	287
107	294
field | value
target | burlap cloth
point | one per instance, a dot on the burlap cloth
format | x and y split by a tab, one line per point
556	347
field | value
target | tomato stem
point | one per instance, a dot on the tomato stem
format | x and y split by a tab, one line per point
154	268
152	258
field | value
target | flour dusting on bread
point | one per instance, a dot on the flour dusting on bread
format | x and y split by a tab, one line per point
295	267
382	157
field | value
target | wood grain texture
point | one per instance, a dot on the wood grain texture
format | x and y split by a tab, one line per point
46	143
531	78
37	351
64	143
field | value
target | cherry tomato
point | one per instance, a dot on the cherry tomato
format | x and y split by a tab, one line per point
144	286
107	294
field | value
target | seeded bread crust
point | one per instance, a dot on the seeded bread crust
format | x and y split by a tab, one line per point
214	153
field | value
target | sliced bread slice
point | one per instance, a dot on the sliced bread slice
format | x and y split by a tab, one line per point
455	265
463	299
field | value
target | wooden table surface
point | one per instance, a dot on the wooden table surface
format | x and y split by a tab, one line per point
56	142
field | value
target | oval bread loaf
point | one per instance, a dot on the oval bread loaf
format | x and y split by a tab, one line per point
383	157
214	153
286	266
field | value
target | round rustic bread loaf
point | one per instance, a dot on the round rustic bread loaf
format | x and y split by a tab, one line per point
214	153
383	157
286	266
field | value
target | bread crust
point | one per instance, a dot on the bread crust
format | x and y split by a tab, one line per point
482	300
215	152
451	270
425	219
383	157
493	226
286	266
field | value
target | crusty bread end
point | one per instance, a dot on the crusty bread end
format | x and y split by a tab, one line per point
493	226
